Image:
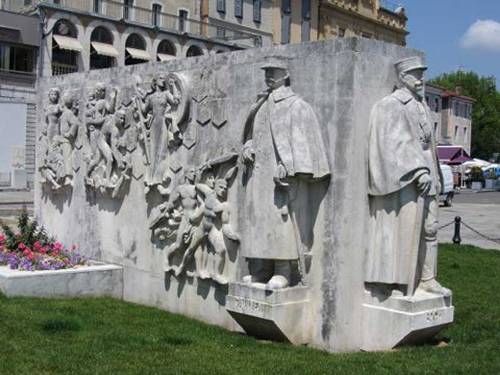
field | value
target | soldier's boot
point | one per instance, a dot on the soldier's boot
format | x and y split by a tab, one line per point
261	271
428	282
282	275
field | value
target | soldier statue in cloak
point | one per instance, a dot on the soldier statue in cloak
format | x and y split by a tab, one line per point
284	152
404	184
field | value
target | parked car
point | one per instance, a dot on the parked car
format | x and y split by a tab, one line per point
447	190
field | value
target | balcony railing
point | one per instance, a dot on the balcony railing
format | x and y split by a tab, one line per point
59	68
169	22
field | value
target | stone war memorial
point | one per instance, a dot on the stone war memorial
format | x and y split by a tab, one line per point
286	192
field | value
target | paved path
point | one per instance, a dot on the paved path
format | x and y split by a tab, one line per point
481	211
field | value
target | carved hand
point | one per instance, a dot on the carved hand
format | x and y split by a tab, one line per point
424	184
280	175
248	153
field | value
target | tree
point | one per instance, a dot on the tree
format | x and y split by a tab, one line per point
486	110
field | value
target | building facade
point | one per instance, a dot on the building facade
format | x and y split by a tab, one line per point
19	49
452	116
373	19
245	16
304	20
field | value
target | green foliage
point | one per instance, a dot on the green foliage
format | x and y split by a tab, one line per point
105	336
476	174
29	233
486	111
492	174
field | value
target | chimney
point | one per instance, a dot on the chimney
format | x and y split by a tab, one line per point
458	89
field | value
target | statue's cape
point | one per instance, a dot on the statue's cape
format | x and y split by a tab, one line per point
297	135
395	156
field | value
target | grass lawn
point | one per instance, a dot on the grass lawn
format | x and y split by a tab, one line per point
105	336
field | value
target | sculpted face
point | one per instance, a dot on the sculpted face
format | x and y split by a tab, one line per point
54	96
414	81
161	81
100	92
210	180
120	118
190	174
220	188
275	77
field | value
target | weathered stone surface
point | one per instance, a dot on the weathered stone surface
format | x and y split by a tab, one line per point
340	80
279	315
393	321
98	280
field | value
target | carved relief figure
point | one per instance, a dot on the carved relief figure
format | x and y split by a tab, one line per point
57	139
162	130
404	181
69	127
197	215
284	152
99	111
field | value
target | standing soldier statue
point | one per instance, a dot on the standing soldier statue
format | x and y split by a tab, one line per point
404	184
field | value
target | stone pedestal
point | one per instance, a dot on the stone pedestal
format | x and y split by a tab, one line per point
394	321
279	315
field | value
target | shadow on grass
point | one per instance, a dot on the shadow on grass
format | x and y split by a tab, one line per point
54	326
175	341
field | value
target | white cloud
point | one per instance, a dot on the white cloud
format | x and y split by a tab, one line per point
484	35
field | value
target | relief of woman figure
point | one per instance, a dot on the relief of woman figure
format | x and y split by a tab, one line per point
157	105
49	147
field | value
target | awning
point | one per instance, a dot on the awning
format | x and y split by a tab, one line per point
165	57
452	155
105	49
67	43
138	54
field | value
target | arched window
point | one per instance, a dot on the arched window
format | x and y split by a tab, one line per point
65	48
194	51
166	50
102	52
135	48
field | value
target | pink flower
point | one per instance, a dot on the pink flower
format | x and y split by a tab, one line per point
21	246
37	245
58	246
73	247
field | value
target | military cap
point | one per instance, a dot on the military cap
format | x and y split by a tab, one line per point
409	64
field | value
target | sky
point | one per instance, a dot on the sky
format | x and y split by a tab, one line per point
456	34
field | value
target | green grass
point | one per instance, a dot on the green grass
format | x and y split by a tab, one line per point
105	336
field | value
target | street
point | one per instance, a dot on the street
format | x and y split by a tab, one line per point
480	211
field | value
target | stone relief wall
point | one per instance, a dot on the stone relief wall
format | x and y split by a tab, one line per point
232	188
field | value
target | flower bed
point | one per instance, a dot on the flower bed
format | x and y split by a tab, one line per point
32	249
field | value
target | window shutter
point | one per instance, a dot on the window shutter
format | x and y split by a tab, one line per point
238	8
306	9
221	6
257	6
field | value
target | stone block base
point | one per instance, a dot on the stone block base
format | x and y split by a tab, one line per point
394	321
278	315
96	280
